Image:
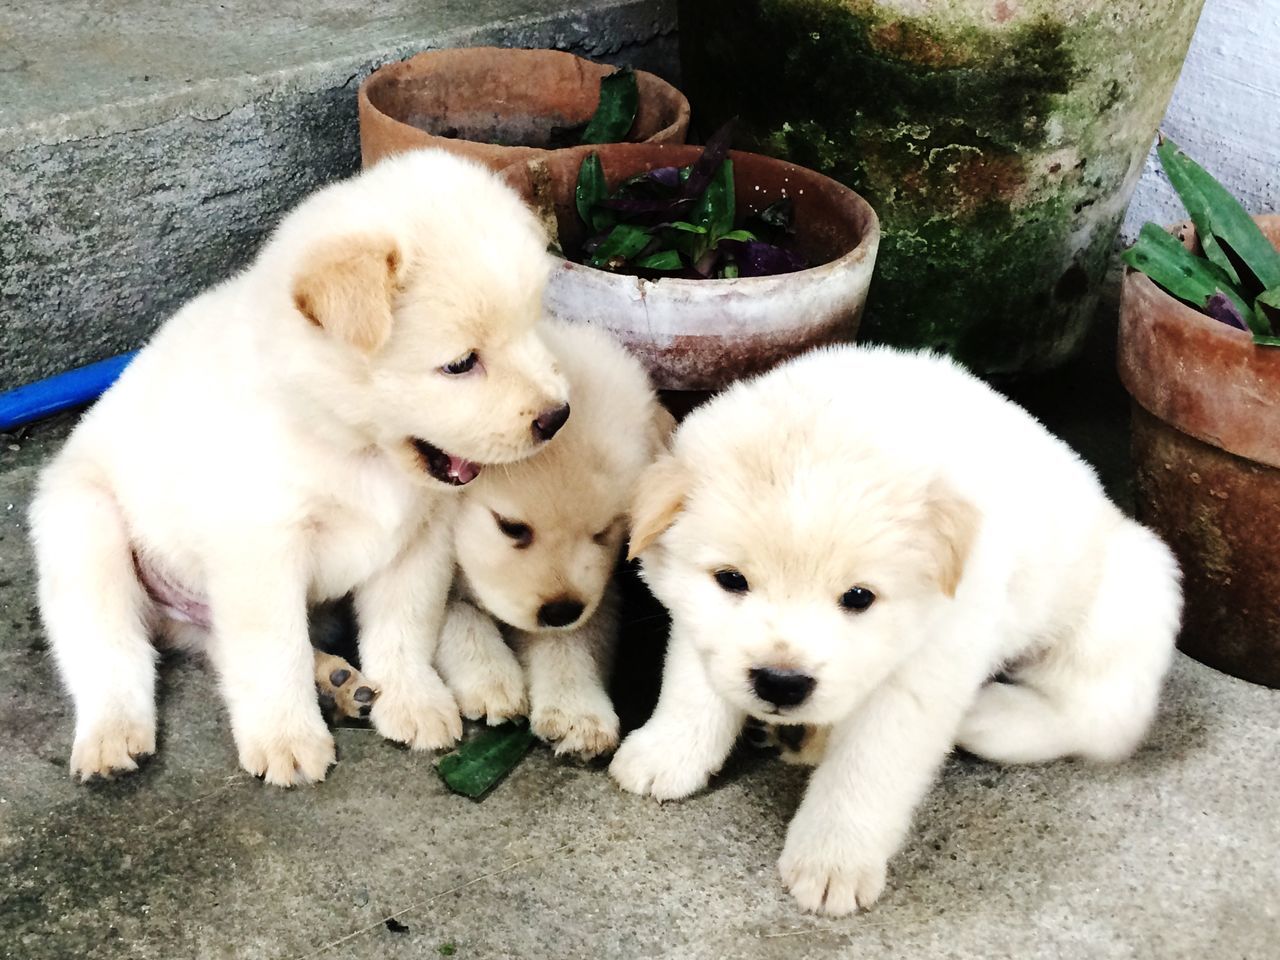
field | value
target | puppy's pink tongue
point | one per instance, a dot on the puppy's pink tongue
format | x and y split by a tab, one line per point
464	471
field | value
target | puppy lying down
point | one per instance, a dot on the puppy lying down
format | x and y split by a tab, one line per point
293	434
860	540
533	621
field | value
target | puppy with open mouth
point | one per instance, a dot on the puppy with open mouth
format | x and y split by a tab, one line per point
298	432
534	619
860	541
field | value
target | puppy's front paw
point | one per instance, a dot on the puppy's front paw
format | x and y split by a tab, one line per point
586	733
651	763
423	718
826	879
494	690
287	757
342	689
112	746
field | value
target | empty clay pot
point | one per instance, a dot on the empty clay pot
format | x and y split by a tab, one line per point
1206	445
699	335
498	105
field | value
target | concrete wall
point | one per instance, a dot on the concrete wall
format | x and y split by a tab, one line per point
1225	112
117	207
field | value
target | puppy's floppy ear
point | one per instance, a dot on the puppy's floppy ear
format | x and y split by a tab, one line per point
658	501
345	286
953	524
661	425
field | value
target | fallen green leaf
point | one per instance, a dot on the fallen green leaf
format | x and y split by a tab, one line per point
616	110
479	764
686	227
746	236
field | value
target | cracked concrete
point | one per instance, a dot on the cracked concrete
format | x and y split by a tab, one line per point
146	148
1171	856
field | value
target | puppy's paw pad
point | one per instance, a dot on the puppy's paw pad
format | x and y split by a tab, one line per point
112	748
421	721
343	690
823	885
582	734
288	760
647	764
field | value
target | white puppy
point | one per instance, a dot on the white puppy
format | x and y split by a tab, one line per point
537	543
860	540
288	436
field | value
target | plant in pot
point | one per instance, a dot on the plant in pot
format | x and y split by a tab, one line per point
1199	354
502	106
708	264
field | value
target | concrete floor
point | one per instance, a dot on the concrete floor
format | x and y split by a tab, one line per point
1175	854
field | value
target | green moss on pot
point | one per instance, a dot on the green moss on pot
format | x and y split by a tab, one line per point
998	141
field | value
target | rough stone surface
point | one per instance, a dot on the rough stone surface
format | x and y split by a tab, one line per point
1171	856
146	148
998	142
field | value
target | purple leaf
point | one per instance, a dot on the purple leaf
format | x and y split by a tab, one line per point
1220	307
668	177
759	259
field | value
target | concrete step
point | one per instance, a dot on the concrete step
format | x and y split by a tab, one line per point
145	147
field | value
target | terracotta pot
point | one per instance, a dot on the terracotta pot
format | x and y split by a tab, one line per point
471	101
698	335
1206	444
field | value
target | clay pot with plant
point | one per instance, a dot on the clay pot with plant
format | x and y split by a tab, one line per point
709	264
1200	355
502	106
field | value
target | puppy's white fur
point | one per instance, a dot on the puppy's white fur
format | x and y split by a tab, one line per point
570	502
259	454
988	544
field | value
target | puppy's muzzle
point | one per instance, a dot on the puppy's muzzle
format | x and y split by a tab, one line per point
548	423
782	688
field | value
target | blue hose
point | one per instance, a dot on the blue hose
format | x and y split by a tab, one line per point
74	388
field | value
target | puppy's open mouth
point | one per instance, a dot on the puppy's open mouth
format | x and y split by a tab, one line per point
445	467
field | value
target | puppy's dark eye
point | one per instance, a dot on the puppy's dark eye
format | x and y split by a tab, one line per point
731	581
461	365
857	599
521	533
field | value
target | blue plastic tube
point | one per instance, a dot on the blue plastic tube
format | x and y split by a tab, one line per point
67	390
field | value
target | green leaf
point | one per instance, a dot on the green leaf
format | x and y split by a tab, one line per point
616	111
1264	326
476	767
730	271
745	236
714	209
591	188
685	226
1171	159
623	242
1166	261
662	260
1229	221
1264	341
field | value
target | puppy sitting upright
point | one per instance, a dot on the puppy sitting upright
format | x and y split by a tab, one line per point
290	435
537	544
860	540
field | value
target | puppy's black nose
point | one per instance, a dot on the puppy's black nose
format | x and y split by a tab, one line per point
549	422
559	613
782	688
